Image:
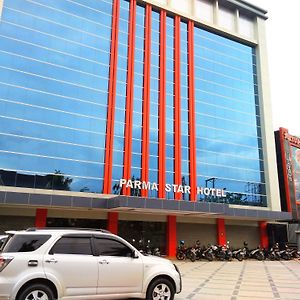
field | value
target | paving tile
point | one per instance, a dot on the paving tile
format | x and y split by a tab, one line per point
247	280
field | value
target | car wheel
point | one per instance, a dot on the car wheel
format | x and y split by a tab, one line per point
36	292
160	289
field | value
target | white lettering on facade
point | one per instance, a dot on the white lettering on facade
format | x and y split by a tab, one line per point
176	188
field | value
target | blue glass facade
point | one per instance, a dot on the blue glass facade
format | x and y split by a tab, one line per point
228	137
54	80
54	66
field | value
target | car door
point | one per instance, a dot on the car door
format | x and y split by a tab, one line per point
119	271
71	262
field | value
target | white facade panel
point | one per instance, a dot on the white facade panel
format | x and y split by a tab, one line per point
182	6
226	19
246	27
204	10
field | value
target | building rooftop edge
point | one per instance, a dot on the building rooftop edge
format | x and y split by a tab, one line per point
249	7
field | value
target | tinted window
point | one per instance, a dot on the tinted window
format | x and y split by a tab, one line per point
72	245
25	242
109	247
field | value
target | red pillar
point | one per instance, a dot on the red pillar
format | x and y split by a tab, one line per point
221	232
41	217
192	113
264	240
177	111
112	222
111	99
129	97
171	236
162	108
146	99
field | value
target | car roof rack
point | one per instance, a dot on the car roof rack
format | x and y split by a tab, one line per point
67	228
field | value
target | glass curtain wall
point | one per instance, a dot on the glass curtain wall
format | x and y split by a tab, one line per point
154	81
184	107
54	72
170	104
138	96
229	154
54	65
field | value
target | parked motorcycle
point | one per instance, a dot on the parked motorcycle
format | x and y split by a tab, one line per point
274	253
180	253
285	253
256	253
239	254
207	253
184	252
219	252
294	252
228	252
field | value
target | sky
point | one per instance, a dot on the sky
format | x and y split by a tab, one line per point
283	46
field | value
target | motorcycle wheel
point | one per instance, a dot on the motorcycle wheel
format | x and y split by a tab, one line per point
286	257
209	257
192	257
271	256
239	257
180	256
221	257
260	256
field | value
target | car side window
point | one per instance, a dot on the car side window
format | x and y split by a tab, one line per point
25	242
110	247
72	245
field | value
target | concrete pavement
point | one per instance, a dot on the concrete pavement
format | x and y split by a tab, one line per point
247	280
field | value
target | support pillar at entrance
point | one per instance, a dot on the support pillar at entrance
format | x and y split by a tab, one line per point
221	232
264	240
112	222
41	217
171	236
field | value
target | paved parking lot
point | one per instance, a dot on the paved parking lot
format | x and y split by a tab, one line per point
236	280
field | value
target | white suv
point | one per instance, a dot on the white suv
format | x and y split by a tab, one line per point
68	264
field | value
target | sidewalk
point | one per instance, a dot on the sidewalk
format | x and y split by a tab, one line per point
247	280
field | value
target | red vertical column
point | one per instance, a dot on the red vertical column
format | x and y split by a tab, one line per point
192	119
129	96
264	240
112	222
111	99
146	98
221	232
177	119
171	236
162	108
41	217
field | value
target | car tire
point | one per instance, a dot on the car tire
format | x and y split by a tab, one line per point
160	288
36	291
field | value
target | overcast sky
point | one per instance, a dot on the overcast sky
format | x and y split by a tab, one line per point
283	42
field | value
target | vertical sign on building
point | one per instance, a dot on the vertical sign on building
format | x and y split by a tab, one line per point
291	164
